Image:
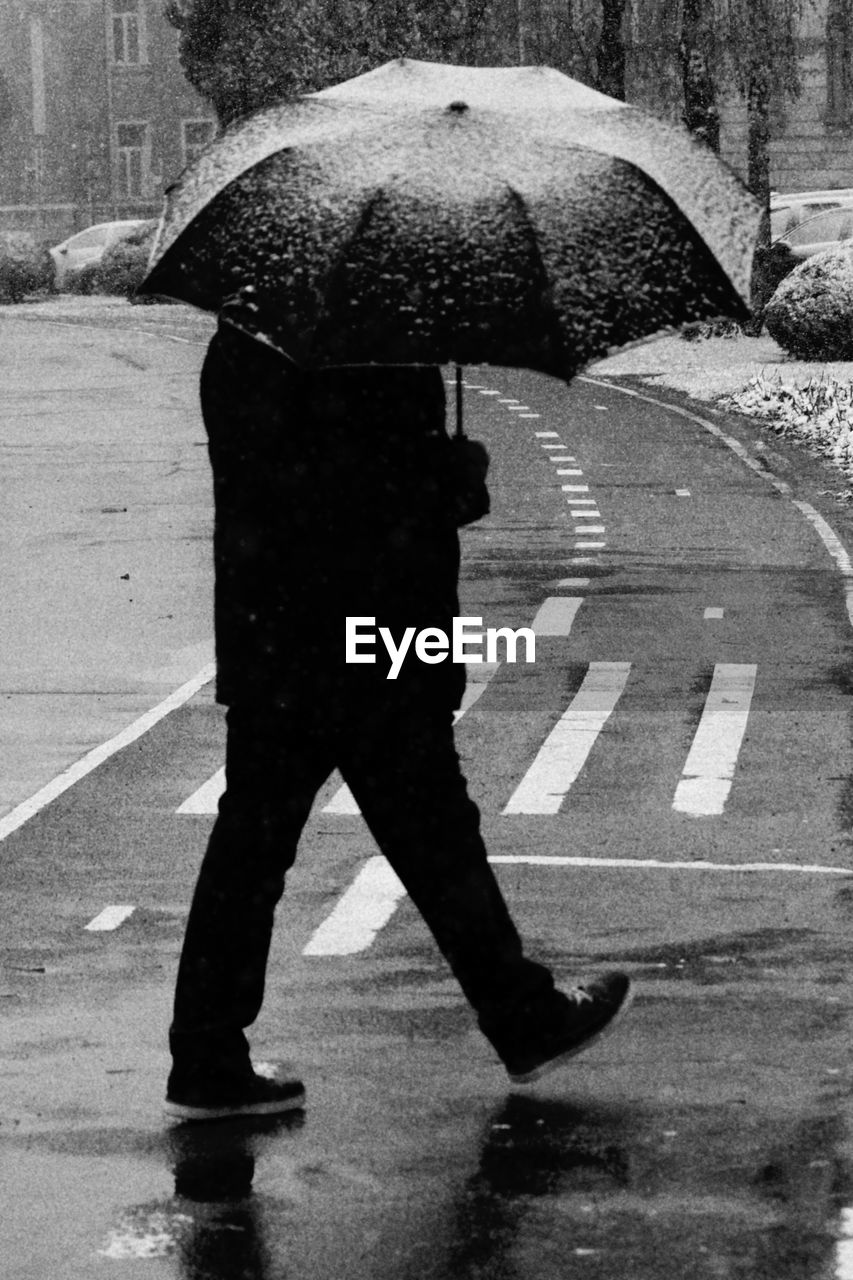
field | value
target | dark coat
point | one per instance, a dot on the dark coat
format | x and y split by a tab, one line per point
333	497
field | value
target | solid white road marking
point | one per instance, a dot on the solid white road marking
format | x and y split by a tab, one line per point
28	808
682	493
709	769
542	435
110	918
589	546
360	913
373	897
485	391
556	615
575	488
835	548
564	752
566	457
714	613
659	864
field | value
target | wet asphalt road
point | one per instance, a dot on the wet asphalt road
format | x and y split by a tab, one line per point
710	1136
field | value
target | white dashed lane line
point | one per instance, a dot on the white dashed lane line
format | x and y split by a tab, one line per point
110	918
556	615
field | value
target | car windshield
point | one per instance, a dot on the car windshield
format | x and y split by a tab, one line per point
833	224
89	238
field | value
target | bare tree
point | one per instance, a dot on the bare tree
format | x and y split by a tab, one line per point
244	54
761	49
697	56
610	58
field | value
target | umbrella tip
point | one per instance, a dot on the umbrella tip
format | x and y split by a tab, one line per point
458	108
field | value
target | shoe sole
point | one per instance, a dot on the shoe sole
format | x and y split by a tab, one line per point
181	1111
554	1064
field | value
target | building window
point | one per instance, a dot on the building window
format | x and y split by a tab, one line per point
128	33
839	48
132	156
195	135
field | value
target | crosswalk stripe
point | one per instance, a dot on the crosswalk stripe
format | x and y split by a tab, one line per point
710	765
343	801
206	799
708	771
365	907
564	752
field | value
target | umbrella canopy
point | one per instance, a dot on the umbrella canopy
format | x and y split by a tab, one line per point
424	213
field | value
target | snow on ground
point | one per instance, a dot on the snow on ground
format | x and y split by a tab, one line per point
714	367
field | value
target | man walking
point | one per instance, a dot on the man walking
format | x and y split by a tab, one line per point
337	494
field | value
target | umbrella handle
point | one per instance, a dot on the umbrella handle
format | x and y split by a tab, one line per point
459	431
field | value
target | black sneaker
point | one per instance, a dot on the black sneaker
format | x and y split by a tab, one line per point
260	1092
591	1009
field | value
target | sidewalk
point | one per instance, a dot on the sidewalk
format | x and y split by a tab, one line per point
106	580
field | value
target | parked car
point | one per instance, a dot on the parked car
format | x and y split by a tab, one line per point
25	265
822	231
788	211
86	248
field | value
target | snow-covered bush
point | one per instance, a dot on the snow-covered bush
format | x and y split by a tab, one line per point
818	413
811	313
124	266
25	266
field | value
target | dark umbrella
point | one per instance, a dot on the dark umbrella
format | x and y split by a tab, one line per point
425	213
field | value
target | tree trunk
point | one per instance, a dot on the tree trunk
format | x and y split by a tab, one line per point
610	57
758	181
700	93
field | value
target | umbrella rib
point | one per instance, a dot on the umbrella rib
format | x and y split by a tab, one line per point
337	266
527	223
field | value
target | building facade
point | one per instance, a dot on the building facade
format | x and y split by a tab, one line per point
96	116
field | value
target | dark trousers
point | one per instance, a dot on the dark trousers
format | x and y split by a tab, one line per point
401	765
